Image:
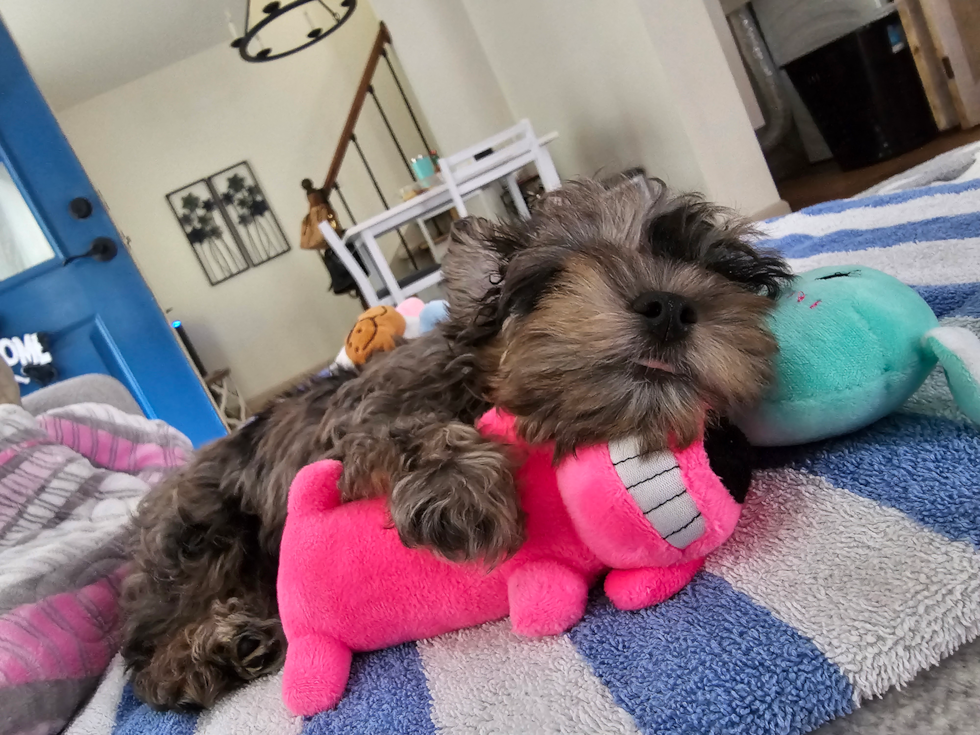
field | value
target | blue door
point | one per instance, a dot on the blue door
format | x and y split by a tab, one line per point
93	314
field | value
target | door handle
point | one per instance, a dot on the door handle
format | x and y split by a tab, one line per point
80	208
102	250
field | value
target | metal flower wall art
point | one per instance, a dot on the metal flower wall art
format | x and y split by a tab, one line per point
228	222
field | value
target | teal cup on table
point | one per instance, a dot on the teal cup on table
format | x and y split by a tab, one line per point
424	167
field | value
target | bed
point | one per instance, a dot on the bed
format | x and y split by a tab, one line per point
847	601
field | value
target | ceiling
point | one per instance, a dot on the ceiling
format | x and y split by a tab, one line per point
77	49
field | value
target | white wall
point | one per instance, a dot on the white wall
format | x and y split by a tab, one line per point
205	113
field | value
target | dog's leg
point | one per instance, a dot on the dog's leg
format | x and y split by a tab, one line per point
452	490
201	615
218	652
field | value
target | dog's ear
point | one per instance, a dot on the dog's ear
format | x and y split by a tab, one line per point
761	270
515	291
689	228
526	279
491	275
478	251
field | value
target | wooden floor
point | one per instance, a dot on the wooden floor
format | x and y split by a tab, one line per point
825	181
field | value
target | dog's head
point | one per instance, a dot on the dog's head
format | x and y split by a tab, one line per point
615	310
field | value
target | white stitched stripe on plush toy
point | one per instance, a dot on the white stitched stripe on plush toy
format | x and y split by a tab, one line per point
655	483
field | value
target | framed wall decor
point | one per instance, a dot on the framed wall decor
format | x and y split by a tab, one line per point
249	213
209	235
228	222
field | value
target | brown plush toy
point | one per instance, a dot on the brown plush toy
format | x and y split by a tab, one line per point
376	329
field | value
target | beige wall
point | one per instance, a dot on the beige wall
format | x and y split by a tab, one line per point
205	113
449	71
706	98
624	82
589	71
719	19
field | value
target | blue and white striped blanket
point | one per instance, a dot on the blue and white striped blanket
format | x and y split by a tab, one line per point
855	567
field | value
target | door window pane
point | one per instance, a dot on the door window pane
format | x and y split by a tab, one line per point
22	243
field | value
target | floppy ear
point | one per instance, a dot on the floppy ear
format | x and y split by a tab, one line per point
491	274
687	227
478	250
761	270
526	277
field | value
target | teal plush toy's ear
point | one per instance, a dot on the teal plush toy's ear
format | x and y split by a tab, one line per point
958	351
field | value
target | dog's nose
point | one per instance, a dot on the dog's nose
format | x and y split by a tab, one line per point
668	315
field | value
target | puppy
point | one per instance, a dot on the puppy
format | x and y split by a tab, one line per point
615	310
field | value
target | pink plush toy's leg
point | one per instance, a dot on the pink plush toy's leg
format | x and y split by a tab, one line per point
546	598
634	589
315	674
314	489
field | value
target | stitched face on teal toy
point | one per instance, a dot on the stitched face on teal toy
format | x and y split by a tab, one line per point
851	350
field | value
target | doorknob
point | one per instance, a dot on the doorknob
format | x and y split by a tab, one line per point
103	249
80	208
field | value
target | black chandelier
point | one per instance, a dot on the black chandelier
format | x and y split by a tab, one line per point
320	17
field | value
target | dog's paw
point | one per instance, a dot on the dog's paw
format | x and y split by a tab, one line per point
461	503
258	652
238	637
205	659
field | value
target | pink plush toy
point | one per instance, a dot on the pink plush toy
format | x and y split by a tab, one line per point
346	583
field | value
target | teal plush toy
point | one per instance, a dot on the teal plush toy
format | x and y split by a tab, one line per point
854	345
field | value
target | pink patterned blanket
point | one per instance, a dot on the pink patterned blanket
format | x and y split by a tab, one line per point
69	482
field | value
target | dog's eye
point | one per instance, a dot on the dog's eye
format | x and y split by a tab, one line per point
837	275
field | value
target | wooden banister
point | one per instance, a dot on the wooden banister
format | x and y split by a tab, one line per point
343	144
